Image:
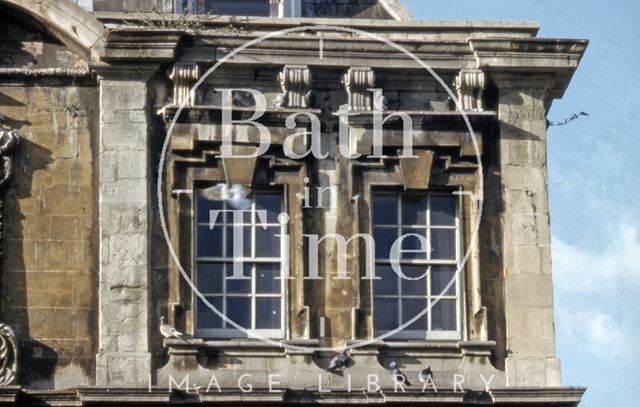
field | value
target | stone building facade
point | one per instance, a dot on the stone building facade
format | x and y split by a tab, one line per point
106	145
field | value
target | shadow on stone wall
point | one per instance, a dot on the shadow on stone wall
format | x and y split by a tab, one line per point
38	360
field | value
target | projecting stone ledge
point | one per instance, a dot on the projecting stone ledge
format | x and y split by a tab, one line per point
80	396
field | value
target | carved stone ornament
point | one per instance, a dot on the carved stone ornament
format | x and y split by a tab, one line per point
470	84
9	139
295	81
357	82
184	76
8	355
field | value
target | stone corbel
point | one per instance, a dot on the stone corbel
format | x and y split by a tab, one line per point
8	355
183	77
357	82
295	81
470	84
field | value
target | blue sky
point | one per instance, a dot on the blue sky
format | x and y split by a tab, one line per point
594	187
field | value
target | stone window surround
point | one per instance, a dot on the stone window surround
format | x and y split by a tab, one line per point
395	181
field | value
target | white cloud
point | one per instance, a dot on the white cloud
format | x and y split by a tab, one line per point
596	301
596	333
578	270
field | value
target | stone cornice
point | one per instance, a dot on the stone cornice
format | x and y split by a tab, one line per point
459	29
567	396
527	54
533	397
141	44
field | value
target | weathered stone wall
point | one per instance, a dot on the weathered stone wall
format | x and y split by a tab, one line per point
48	287
47	279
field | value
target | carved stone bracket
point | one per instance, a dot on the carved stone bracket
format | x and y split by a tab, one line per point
8	355
357	82
295	81
183	77
470	84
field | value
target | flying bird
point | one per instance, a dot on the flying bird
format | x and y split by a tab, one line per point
339	362
397	376
567	120
426	375
235	196
169	331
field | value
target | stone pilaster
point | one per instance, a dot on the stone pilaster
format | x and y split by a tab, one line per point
124	358
528	290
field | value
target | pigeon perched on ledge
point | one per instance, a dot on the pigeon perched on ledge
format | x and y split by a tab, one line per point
426	375
169	331
339	362
397	376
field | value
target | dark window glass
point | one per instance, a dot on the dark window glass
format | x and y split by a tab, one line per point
411	307
414	210
268	313
206	317
385	210
388	283
209	241
443	210
440	278
427	269
268	278
385	313
444	316
443	244
210	278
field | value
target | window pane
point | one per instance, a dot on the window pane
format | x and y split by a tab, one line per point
414	210
267	243
443	210
236	7
272	204
238	286
440	277
246	242
385	314
209	242
239	311
443	243
413	243
388	283
414	287
385	210
444	316
384	238
412	307
268	313
210	278
268	279
244	215
204	206
206	318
